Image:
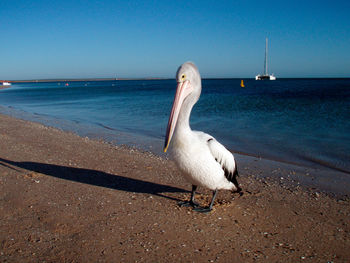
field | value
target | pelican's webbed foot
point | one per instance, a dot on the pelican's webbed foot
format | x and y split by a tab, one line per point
209	208
191	202
188	203
202	209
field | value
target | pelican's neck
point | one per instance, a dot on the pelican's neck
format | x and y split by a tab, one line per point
183	128
183	122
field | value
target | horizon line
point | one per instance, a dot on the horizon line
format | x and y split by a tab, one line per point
146	78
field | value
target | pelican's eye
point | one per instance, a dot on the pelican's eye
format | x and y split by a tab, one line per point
183	77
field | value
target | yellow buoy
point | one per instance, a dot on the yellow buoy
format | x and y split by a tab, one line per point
242	84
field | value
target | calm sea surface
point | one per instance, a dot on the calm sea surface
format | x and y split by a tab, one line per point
302	121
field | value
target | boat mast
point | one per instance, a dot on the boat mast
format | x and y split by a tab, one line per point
265	65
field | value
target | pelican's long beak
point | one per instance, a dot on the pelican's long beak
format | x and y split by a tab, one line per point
182	91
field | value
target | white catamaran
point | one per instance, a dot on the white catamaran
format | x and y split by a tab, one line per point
266	75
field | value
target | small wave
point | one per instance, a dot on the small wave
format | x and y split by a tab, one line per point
324	163
304	160
104	126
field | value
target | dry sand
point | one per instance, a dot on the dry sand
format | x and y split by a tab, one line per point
64	198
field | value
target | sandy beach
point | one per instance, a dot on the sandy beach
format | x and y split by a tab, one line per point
64	198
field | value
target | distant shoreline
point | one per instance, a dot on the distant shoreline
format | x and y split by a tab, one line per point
149	78
79	80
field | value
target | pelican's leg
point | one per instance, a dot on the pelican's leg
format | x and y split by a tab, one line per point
191	202
210	207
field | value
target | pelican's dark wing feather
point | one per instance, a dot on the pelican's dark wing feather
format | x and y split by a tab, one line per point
225	158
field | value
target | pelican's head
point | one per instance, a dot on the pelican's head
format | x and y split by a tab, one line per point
187	93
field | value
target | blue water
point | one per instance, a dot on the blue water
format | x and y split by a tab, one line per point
301	121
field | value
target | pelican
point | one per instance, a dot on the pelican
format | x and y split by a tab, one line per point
202	160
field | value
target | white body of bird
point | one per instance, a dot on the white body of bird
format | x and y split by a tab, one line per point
202	160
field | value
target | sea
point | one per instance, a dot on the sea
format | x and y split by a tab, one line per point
305	122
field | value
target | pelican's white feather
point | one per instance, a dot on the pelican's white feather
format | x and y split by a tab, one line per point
222	155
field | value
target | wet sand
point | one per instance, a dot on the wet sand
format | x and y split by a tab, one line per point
64	198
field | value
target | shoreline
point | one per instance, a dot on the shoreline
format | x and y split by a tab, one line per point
320	178
70	198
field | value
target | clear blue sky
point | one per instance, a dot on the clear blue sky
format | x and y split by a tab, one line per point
73	39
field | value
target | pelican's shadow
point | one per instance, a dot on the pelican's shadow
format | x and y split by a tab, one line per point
94	177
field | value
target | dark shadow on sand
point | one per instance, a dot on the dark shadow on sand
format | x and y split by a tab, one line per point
94	177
